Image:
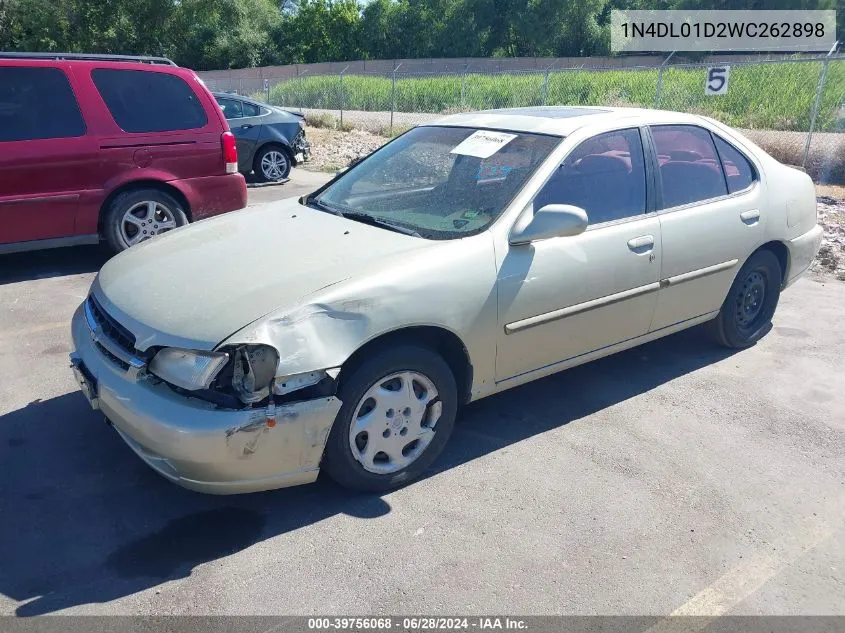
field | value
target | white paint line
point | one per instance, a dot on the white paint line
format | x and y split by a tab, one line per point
746	578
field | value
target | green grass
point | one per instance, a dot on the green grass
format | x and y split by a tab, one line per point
760	96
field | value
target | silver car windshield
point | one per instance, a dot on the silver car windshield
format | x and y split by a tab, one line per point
438	182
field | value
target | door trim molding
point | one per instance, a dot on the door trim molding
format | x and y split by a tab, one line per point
698	273
52	242
38	198
601	302
607	350
578	308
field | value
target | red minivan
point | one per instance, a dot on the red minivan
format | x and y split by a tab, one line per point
112	148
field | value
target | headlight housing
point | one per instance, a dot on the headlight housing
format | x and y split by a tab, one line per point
187	369
253	370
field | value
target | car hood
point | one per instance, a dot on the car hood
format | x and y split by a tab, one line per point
195	286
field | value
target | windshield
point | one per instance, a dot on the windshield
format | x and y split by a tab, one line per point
439	182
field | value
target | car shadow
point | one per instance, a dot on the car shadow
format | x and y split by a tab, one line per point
54	262
85	521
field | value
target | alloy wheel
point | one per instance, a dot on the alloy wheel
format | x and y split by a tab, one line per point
145	220
274	164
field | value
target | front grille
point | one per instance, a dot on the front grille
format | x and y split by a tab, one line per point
110	328
117	361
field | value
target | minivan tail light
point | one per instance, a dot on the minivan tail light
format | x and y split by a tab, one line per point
230	152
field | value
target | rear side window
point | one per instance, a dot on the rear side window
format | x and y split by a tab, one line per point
231	108
737	167
251	110
148	101
37	103
604	175
690	169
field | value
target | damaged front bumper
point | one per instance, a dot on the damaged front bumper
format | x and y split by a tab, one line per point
196	444
301	148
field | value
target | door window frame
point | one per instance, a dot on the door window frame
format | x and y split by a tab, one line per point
261	111
755	173
218	99
713	136
68	77
651	177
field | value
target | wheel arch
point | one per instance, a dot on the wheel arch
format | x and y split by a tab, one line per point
136	185
780	251
438	339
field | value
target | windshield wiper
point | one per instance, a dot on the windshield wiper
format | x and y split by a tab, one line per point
363	218
322	206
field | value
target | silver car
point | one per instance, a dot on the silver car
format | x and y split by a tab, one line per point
342	331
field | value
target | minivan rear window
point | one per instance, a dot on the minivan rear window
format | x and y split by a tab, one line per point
148	101
37	103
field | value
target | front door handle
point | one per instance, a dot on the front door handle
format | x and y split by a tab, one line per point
752	216
641	244
246	126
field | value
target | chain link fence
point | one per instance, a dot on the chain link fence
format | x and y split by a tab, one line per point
792	108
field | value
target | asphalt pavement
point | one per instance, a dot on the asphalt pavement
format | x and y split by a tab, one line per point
677	477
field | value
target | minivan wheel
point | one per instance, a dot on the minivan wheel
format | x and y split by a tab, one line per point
398	412
138	215
746	314
272	164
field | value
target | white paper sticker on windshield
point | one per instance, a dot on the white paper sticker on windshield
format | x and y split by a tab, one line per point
483	143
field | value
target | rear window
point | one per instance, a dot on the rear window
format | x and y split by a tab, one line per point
37	103
148	101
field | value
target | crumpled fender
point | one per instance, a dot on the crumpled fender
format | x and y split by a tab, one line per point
450	287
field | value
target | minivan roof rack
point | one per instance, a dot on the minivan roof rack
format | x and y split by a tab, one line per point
144	59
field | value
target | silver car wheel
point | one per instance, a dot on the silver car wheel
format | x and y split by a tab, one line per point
145	220
274	164
394	422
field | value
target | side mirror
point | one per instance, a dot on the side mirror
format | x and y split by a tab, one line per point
552	220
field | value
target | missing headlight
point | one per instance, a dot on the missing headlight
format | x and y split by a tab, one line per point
253	371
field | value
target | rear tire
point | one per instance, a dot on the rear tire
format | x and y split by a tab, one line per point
136	216
746	314
272	163
385	437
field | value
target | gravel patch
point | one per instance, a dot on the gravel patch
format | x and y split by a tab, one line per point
332	150
831	257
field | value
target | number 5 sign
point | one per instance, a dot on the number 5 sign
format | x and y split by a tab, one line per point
716	82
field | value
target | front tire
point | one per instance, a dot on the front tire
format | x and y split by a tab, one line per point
398	412
272	164
135	216
746	314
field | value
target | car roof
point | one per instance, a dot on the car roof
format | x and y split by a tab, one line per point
560	120
107	62
235	96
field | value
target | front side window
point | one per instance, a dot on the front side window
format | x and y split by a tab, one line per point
604	175
37	103
690	170
149	101
439	182
738	169
231	108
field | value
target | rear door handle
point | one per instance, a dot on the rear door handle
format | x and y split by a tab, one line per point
752	216
641	244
